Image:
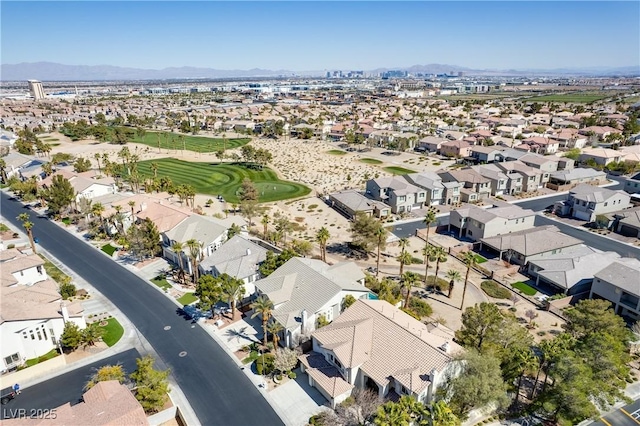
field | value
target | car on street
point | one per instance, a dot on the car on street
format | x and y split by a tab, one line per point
4	400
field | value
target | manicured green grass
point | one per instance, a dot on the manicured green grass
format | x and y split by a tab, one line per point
173	141
51	354
161	282
336	152
479	259
187	299
53	272
113	331
398	170
66	221
225	179
370	161
529	291
577	97
109	249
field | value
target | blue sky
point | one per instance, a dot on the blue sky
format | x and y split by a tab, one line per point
302	36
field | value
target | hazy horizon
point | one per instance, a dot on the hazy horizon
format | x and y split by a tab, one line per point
312	36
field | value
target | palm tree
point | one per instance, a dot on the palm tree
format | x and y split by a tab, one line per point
97	157
154	169
98	209
177	248
469	259
195	251
453	276
403	243
381	241
427	252
404	259
233	288
28	226
441	414
274	328
265	222
428	220
263	306
527	361
322	236
408	280
441	256
132	204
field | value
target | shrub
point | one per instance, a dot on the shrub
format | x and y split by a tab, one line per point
440	284
292	375
420	307
494	289
67	290
416	261
264	364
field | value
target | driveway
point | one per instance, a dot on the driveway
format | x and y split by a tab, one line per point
241	333
297	400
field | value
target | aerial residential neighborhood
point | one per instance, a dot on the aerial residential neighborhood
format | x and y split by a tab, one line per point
297	227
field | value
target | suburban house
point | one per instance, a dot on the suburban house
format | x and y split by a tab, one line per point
619	284
351	202
566	179
547	164
523	178
431	143
522	246
86	185
304	289
477	223
32	313
475	186
628	222
208	232
570	271
451	193
15	163
485	154
601	156
499	180
108	403
239	258
632	184
542	145
430	182
585	202
374	345
455	148
397	193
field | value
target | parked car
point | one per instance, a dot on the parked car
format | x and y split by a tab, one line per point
4	400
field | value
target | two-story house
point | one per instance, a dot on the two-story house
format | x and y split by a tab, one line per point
499	180
475	186
585	202
485	154
397	192
430	182
476	223
618	283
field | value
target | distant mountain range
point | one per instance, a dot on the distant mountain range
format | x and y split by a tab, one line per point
50	71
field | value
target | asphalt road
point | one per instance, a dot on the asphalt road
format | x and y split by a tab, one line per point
65	388
628	415
218	391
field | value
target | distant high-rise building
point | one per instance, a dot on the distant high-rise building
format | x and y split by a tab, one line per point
35	87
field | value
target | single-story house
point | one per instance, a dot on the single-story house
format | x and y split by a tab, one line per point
569	178
350	202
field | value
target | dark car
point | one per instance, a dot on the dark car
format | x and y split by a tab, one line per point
4	400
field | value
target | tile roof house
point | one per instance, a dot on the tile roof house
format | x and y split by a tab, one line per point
239	258
397	192
304	289
374	345
530	244
477	186
455	148
430	182
477	223
619	284
571	271
601	156
350	202
108	403
32	315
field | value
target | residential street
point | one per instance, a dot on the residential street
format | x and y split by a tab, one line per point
65	388
218	391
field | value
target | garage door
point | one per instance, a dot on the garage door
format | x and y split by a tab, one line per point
628	231
582	215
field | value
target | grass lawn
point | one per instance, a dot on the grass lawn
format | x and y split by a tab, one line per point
109	249
161	282
529	291
173	141
51	354
336	152
577	97
370	161
52	270
398	170
479	259
113	331
225	179
66	221
187	299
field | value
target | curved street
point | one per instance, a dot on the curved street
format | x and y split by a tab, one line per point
218	391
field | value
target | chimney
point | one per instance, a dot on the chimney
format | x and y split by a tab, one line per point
143	206
445	347
248	252
64	311
303	320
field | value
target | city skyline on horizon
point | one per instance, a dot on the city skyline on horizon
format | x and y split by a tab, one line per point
314	36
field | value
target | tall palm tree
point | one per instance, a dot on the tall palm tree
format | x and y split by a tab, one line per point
154	169
408	280
527	361
98	209
427	252
429	218
233	289
322	236
28	226
404	259
265	222
469	259
441	256
403	243
453	276
381	241
274	328
132	205
263	307
177	248
97	157
194	253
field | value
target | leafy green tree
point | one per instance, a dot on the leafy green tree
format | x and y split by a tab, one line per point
60	195
67	290
478	384
152	385
347	301
481	325
248	191
91	334
273	261
209	292
301	247
591	316
440	414
406	411
71	336
105	374
81	165
364	231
